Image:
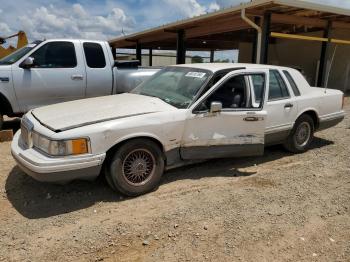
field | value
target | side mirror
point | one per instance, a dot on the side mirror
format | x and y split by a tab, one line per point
27	63
215	107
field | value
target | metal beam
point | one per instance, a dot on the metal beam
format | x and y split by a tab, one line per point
265	39
139	52
322	71
181	47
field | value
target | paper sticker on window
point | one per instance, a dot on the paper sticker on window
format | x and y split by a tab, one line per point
196	74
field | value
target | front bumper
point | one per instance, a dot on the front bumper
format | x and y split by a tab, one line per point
50	169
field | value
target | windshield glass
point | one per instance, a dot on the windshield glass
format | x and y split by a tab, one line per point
14	57
177	86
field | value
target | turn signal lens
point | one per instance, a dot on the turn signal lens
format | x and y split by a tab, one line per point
79	146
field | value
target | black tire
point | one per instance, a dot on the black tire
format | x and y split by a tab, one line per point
136	167
1	121
301	136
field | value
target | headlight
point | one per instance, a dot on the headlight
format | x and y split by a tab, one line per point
61	147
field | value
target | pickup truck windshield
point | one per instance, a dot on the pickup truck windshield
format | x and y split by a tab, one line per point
177	86
14	57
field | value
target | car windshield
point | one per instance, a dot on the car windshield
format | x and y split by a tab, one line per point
14	57
177	86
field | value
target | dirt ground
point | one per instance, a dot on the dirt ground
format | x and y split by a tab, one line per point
279	207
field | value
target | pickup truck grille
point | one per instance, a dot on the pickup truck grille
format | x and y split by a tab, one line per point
26	132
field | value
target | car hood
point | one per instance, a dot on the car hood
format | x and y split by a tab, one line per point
69	115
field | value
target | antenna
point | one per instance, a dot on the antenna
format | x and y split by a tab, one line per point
330	68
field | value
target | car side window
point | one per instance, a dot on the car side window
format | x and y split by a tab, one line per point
292	83
55	55
232	93
258	82
277	88
94	55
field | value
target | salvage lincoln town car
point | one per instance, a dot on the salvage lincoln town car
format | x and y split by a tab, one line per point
181	114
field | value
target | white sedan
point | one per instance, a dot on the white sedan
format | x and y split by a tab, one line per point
181	114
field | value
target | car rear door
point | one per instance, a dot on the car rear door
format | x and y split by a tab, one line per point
281	108
58	75
238	130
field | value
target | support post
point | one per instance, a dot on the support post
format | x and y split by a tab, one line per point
322	70
265	38
181	47
150	57
212	54
114	52
139	52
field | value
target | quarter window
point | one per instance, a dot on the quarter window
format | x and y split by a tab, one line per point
95	57
55	55
292	83
278	88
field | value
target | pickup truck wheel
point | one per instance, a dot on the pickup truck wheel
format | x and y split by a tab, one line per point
136	168
301	136
1	121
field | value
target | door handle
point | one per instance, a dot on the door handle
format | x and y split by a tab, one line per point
4	79
77	77
251	118
288	105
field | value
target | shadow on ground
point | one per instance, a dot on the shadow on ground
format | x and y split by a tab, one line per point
35	200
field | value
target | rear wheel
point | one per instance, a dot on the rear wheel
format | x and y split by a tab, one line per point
136	167
301	136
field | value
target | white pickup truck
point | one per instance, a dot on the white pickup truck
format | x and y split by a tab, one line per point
182	113
60	70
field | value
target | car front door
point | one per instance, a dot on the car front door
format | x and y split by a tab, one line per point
57	75
235	130
281	108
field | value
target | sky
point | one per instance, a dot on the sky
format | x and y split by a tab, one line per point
103	19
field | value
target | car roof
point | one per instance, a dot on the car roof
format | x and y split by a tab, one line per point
214	67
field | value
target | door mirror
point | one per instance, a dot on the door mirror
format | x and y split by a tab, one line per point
27	63
215	107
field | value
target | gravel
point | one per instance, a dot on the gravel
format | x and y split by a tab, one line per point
278	207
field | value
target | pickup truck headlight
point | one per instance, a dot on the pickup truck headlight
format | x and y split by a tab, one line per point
61	147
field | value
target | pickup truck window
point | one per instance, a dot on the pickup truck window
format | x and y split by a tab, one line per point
94	55
292	83
277	89
14	57
177	86
55	55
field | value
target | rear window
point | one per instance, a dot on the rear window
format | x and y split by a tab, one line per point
292	83
95	57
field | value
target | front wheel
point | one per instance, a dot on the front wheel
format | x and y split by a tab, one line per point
136	167
301	136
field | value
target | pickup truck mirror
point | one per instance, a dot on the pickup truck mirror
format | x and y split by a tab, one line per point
215	107
27	63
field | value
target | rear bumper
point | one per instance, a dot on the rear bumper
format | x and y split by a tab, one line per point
59	170
331	120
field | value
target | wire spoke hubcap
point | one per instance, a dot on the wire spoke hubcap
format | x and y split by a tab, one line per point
138	167
303	134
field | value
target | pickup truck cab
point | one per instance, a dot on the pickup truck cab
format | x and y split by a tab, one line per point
181	114
60	70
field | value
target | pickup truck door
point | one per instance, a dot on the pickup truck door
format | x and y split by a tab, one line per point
99	70
57	75
238	130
